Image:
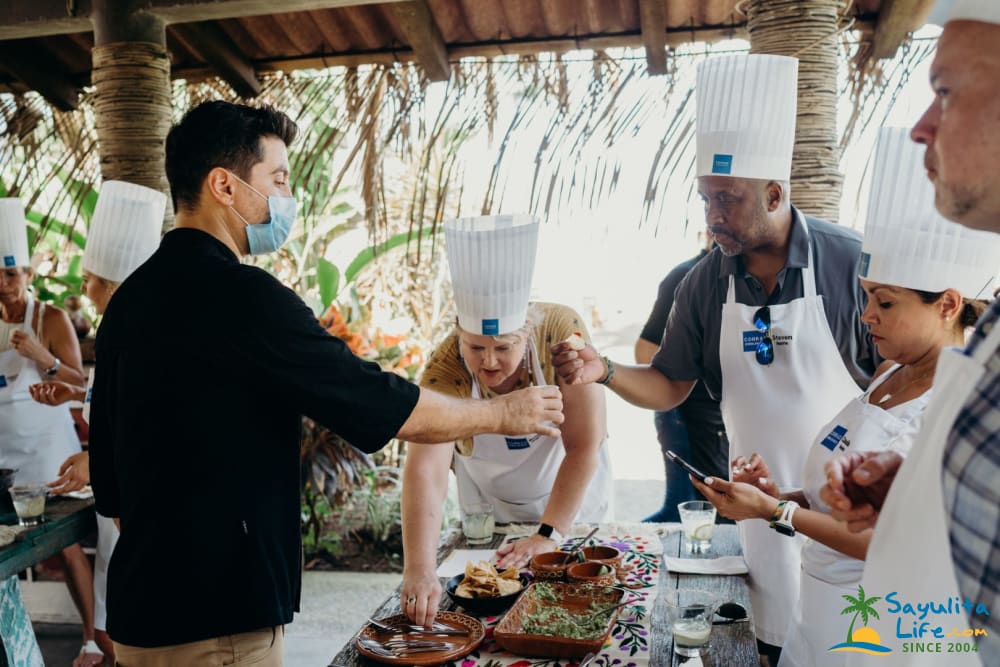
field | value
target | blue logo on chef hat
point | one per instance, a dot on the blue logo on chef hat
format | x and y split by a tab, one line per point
722	163
491	327
866	260
8	260
864	639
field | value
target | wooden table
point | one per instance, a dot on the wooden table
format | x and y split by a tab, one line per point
67	522
731	645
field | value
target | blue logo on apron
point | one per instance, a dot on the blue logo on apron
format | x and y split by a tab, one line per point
491	327
517	443
834	437
751	339
722	163
8	260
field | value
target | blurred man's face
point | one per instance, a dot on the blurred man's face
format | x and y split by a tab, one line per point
961	128
735	212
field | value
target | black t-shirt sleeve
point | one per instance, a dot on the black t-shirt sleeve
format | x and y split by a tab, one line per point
657	322
316	374
681	357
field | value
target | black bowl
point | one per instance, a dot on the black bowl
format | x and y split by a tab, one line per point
484	606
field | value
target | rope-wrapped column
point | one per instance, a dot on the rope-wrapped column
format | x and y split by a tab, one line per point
132	109
807	29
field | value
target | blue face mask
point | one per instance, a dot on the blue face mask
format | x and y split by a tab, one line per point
266	237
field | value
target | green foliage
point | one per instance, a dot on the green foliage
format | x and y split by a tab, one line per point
316	512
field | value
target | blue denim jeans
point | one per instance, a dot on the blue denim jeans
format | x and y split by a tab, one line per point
672	433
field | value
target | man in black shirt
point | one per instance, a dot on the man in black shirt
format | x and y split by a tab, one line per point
694	429
205	368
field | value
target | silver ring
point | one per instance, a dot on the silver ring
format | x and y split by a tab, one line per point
411	600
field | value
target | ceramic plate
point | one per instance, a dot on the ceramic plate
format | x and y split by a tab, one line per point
458	646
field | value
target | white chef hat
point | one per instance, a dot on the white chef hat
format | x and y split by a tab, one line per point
125	229
907	242
492	261
986	11
745	118
13	234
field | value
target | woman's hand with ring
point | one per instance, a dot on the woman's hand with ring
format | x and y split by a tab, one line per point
419	597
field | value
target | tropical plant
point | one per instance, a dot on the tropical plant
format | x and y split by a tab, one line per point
859	606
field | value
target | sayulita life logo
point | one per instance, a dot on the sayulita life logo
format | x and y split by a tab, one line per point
863	639
914	631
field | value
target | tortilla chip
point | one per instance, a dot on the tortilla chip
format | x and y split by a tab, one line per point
483	581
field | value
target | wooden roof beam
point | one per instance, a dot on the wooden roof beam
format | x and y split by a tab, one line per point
37	18
896	19
417	23
59	91
214	45
653	21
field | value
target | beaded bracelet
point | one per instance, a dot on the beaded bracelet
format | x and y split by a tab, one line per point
778	511
606	380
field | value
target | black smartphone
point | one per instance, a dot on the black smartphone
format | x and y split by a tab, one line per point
694	472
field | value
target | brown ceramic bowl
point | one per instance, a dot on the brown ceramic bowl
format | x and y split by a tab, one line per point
590	573
603	554
549	566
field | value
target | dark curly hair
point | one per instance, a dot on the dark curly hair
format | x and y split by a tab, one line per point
972	309
219	134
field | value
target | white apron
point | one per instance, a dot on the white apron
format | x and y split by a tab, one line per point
34	438
910	552
107	538
516	473
775	411
828	574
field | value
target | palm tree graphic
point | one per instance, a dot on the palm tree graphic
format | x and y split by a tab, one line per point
859	606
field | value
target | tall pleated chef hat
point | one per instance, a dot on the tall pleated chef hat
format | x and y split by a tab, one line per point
13	234
907	242
125	229
745	120
986	11
492	261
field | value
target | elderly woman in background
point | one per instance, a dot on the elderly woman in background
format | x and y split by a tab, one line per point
124	232
36	341
501	345
925	278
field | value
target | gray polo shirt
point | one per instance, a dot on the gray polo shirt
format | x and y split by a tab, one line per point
690	346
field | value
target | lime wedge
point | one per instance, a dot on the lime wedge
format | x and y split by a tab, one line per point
702	532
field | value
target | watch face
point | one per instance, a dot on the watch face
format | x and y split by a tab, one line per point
784	530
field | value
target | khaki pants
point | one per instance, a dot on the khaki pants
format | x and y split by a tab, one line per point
261	648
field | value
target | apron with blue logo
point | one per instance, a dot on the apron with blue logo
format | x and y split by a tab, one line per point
516	473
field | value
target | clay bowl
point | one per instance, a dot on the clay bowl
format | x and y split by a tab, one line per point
590	573
603	554
549	566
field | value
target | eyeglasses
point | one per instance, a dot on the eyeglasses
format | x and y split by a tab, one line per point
765	348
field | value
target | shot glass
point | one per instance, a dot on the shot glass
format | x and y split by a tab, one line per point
698	522
29	503
689	615
477	523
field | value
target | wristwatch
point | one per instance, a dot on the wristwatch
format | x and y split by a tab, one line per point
545	530
783	524
55	367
